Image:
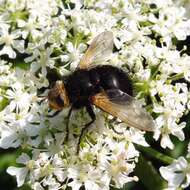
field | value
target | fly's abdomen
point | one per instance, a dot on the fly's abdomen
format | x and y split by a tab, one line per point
113	78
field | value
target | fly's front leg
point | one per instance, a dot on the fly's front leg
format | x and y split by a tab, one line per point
54	114
91	113
114	120
67	124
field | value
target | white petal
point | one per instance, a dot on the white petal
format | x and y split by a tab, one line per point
89	185
82	47
166	142
60	174
12	105
19	45
64	58
72	173
24	34
159	121
172	178
73	65
75	185
131	151
20	174
21	23
16	34
10	141
9	51
181	163
187	183
70	47
158	108
23	159
138	137
37	186
157	133
152	18
180	34
179	134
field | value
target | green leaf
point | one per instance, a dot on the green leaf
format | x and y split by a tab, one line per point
148	175
3	103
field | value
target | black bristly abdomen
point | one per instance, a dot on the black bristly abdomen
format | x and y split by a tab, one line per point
114	78
83	83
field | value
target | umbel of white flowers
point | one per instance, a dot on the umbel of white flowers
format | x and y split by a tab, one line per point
54	35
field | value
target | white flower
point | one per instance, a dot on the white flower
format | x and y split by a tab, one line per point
37	186
166	126
118	168
183	66
18	129
91	177
177	174
21	173
42	10
10	42
9	136
41	59
167	23
185	4
29	27
74	55
15	5
4	67
59	168
20	99
51	183
78	4
58	34
132	135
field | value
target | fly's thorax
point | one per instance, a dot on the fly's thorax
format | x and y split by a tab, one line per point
57	96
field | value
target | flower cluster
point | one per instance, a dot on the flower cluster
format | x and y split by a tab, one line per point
178	173
39	36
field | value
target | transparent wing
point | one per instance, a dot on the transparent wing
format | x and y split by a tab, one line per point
125	107
98	51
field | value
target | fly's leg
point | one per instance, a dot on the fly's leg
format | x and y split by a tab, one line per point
54	114
117	132
91	113
114	120
67	124
67	121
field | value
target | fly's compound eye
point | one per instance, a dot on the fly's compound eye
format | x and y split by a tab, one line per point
56	101
57	96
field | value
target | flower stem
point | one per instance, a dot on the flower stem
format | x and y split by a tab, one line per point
155	154
176	77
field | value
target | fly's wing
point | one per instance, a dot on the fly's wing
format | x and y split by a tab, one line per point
125	107
98	51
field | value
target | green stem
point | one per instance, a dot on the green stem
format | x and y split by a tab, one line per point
176	77
156	70
155	154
